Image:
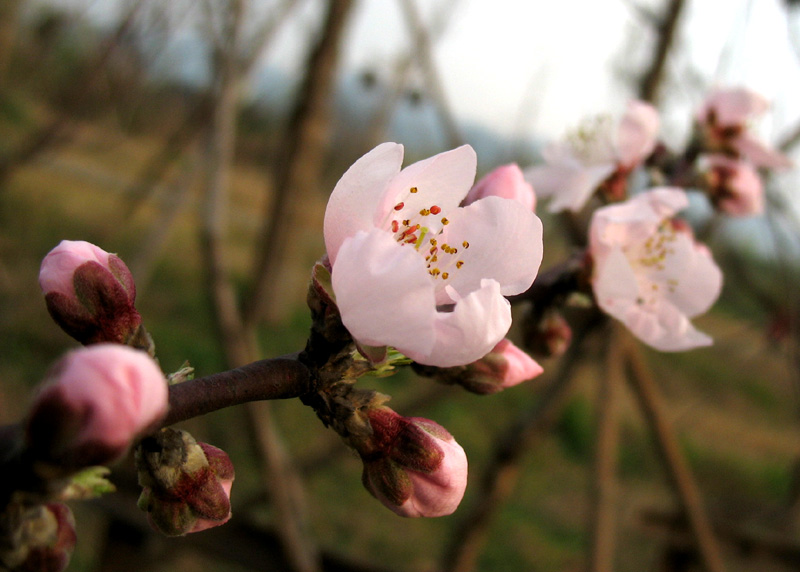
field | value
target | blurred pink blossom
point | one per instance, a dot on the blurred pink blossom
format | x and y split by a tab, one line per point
650	273
413	270
97	400
602	153
505	366
506	181
734	186
415	467
725	120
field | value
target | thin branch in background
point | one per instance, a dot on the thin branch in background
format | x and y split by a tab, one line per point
422	47
502	473
604	478
666	30
680	476
59	128
402	72
298	170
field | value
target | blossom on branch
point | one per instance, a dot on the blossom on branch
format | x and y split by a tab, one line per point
724	125
413	465
413	270
599	155
90	293
96	401
733	186
649	272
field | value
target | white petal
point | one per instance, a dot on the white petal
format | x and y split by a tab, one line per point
691	280
638	133
442	180
476	324
664	328
505	244
384	293
355	198
568	187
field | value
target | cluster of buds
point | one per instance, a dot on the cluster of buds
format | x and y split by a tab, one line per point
412	465
186	485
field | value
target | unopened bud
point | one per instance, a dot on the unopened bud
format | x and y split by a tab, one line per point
90	294
95	402
186	484
733	186
506	182
549	336
413	465
42	540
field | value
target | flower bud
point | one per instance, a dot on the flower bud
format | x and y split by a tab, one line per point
734	187
413	465
549	335
43	538
95	402
90	293
186	484
503	367
506	182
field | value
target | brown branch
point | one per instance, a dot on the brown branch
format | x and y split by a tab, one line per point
278	378
604	486
678	471
667	31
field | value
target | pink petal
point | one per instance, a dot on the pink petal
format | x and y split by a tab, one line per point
384	293
761	154
694	279
505	244
638	133
442	180
355	198
733	106
569	187
507	182
476	324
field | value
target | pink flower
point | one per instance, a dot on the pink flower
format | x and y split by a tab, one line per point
413	270
96	402
649	272
413	465
89	293
734	186
724	123
507	182
600	154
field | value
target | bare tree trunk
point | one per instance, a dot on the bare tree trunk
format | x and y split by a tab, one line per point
298	169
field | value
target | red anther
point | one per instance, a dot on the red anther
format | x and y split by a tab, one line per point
435	209
399	206
395	226
411	238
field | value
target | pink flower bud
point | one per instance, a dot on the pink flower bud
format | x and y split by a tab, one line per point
505	366
89	293
550	335
413	465
96	401
54	554
186	484
734	187
506	182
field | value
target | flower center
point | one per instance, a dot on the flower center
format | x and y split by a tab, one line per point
649	262
592	141
424	229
